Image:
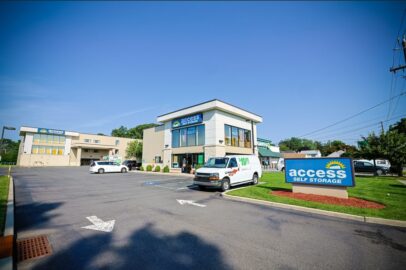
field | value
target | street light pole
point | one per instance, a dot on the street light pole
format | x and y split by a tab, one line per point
2	134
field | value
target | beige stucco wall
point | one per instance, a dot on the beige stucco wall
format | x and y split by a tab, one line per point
43	160
153	145
238	150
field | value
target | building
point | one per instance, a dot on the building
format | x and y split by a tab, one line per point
311	153
52	147
338	153
269	154
188	137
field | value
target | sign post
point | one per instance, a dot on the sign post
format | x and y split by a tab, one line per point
320	176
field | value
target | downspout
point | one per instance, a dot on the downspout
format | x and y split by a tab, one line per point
253	140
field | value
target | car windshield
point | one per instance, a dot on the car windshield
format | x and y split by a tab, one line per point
216	163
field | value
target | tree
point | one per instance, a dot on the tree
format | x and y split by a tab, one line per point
134	150
137	132
9	150
394	148
372	147
399	126
120	132
134	133
297	144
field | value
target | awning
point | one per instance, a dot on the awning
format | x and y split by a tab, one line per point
265	152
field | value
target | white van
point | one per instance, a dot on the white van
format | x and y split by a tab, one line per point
224	172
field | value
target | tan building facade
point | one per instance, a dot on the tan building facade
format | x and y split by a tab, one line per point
51	147
188	137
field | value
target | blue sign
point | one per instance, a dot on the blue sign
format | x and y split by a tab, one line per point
51	131
320	171
188	120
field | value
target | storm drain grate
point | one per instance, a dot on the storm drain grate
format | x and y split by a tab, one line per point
33	247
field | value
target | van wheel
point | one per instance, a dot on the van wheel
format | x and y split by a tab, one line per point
199	187
100	171
255	179
225	184
283	169
123	170
379	172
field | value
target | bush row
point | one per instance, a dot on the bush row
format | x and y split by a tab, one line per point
157	168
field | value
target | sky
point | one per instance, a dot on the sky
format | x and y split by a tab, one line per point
94	66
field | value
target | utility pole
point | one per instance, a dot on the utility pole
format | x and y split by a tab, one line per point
382	127
400	67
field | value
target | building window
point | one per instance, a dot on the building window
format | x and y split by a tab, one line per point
86	140
117	142
190	136
183	137
95	151
86	150
175	138
234	136
37	138
200	134
237	137
247	138
227	134
158	159
96	141
34	149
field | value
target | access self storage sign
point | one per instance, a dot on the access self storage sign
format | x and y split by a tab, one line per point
320	171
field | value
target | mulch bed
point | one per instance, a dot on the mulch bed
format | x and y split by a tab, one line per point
353	202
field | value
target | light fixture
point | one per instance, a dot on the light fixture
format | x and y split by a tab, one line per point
220	141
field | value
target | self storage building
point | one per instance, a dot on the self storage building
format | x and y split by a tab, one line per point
190	136
53	147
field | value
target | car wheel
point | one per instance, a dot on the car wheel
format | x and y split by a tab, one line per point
255	179
283	169
379	172
225	184
100	171
201	187
123	170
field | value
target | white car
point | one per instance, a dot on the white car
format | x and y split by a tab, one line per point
224	172
107	166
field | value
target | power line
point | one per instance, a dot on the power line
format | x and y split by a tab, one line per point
360	128
352	116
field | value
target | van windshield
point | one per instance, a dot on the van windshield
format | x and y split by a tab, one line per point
216	163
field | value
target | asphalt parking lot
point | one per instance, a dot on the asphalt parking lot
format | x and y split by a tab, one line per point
153	230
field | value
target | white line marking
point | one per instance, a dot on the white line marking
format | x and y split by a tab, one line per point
100	225
182	202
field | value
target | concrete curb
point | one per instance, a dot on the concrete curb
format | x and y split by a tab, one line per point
380	221
7	262
169	174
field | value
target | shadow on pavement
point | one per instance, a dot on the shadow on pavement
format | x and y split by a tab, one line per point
33	214
147	248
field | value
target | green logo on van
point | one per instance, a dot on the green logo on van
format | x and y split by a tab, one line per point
244	161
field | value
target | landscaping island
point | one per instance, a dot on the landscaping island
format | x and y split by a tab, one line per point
383	197
4	183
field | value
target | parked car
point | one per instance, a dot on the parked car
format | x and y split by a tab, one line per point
382	163
281	165
368	167
224	172
107	166
132	164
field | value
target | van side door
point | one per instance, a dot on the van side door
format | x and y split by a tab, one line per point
233	171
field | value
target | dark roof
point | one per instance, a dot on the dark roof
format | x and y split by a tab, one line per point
265	152
208	102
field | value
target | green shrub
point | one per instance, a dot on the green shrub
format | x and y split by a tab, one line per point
157	168
142	168
198	166
149	168
166	169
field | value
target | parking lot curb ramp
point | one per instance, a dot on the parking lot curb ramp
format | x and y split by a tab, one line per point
8	239
373	220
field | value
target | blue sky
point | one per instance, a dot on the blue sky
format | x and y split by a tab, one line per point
93	66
